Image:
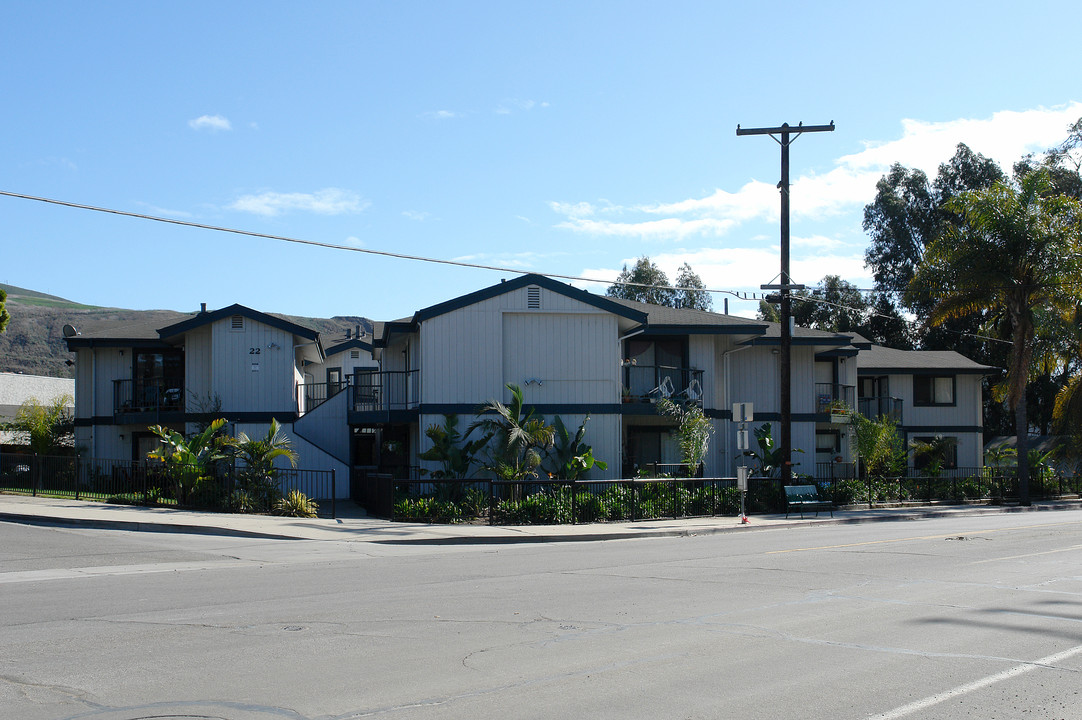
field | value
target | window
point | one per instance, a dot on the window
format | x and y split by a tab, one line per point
937	452
933	390
828	442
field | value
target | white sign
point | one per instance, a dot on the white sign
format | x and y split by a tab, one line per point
741	439
742	412
742	478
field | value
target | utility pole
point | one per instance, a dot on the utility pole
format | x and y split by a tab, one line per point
784	136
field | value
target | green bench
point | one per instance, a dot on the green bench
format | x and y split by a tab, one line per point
805	497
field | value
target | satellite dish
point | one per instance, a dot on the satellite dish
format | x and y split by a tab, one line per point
69	331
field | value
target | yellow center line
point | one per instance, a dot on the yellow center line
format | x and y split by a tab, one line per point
918	537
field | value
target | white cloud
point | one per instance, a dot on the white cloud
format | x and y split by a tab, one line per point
518	104
416	215
329	201
743	269
817	242
1005	137
353	241
524	260
165	212
213	123
441	114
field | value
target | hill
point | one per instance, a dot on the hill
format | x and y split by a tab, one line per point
34	341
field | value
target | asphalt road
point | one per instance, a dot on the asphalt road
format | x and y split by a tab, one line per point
974	617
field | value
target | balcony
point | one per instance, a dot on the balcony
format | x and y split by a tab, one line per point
875	408
312	395
647	383
147	398
836	400
385	395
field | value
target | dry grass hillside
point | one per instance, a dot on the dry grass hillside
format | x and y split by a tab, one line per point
34	341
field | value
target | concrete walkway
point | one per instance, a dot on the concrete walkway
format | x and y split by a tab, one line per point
353	526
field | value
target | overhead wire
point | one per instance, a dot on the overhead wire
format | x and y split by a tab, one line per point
738	295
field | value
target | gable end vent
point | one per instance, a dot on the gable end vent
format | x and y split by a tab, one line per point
533	297
237	322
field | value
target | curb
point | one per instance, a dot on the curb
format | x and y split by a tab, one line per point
523	538
138	526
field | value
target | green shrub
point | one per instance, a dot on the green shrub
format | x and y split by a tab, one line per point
543	508
426	510
296	504
588	507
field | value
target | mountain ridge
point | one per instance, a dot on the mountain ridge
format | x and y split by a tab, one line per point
33	342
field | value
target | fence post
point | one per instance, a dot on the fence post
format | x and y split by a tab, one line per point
491	503
35	475
77	476
634	502
146	470
574	515
334	496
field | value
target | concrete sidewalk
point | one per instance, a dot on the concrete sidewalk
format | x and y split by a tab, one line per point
353	526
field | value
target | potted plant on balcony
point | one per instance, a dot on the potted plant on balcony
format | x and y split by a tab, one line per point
839	412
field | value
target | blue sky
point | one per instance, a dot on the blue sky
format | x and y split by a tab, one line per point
566	138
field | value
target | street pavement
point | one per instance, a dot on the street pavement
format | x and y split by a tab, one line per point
352	524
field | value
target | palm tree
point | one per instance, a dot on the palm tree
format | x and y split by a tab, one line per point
1018	250
519	436
258	477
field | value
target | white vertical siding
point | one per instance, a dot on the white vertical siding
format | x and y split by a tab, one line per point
112	364
464	352
198	369
966	412
753	377
562	358
241	386
326	427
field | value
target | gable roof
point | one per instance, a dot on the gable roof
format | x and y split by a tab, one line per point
883	360
602	303
205	318
143	332
351	344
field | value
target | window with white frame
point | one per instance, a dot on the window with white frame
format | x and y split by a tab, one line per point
933	390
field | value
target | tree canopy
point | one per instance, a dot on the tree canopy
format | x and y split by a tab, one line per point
5	316
1015	252
648	283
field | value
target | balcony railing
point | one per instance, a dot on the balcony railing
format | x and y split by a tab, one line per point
312	395
880	407
386	390
836	399
148	395
645	383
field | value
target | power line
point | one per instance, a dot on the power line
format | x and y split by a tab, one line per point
367	251
741	296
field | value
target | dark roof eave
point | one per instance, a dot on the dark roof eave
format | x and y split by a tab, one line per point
236	309
943	370
74	343
520	282
702	329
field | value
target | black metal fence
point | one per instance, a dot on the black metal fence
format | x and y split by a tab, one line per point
565	502
149	482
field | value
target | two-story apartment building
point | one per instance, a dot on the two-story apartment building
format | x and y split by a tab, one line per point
237	363
362	403
572	353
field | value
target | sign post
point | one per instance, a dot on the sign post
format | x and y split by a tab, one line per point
743	413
